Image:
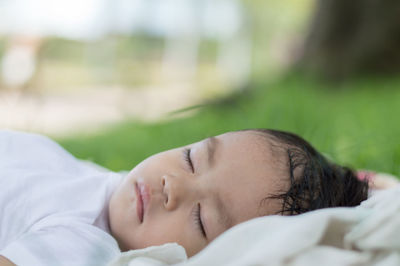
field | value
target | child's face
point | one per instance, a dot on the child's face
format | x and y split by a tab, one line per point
231	175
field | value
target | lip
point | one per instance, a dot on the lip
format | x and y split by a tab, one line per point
144	195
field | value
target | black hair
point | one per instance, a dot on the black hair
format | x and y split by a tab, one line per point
314	181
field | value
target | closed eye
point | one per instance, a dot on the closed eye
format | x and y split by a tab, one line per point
198	221
186	156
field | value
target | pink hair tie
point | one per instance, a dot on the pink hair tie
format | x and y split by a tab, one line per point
378	181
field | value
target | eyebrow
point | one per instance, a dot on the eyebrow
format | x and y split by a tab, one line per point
224	217
212	144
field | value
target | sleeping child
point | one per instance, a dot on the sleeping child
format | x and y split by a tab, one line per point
56	210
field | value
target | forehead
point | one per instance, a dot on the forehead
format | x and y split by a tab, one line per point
249	142
248	171
252	151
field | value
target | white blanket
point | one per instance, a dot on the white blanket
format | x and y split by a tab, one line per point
365	235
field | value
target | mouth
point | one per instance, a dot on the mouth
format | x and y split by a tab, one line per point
143	199
139	203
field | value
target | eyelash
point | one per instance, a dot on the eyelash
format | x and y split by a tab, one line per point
198	220
186	156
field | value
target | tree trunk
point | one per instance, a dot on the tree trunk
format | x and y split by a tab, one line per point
353	37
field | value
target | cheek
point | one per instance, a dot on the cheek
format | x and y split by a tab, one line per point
169	229
157	164
123	196
161	229
122	211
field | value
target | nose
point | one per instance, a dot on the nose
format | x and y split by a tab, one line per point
176	190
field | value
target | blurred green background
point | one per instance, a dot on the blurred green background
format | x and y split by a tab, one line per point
356	124
346	106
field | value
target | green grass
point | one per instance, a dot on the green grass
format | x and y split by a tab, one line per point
356	123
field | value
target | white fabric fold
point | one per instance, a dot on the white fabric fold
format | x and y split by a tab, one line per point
167	254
